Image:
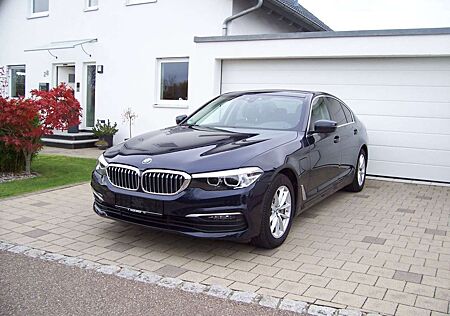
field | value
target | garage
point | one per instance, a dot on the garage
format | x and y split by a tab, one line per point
403	101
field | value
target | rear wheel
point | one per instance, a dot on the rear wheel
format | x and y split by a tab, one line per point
278	212
360	173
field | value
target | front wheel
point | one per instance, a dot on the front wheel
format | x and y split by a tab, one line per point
360	173
278	212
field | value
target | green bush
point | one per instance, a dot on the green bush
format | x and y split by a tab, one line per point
10	160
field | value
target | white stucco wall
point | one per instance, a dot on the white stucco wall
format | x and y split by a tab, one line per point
130	39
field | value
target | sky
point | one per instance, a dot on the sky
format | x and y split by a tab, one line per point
343	15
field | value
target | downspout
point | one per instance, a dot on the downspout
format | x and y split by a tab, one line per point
238	15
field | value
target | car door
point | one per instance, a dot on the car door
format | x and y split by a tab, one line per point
323	150
349	139
343	137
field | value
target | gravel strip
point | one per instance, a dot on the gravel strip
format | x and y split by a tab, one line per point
7	176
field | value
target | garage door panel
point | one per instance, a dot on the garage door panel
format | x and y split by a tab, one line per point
404	103
311	64
399	170
380	93
346	77
410	155
400	108
409	140
406	124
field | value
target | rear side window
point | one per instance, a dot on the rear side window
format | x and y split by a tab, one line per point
319	111
348	113
336	112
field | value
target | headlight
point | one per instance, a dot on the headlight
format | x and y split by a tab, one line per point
228	179
101	165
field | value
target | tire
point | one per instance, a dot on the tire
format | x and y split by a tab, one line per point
272	238
358	183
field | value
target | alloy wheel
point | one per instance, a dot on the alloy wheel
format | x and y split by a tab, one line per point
361	169
281	211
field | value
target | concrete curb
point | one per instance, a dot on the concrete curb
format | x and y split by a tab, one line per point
302	308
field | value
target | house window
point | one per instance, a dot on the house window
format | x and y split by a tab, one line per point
39	6
173	81
17	81
133	2
91	5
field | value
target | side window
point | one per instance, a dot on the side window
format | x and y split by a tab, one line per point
348	113
319	111
17	81
335	109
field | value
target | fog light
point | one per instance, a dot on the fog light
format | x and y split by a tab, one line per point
222	217
217	216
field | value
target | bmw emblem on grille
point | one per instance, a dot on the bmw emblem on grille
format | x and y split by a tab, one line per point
147	161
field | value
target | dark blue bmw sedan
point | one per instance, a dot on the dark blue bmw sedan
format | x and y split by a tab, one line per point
240	167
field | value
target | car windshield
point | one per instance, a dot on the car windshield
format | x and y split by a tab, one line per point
259	111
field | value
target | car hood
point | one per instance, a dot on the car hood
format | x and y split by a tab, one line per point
197	149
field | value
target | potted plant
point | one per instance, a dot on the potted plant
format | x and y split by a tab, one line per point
105	131
101	144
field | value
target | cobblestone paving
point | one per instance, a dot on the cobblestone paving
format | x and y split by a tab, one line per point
385	250
92	152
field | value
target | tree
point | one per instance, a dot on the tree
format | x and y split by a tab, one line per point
23	122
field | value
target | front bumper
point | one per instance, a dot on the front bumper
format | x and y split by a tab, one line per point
189	212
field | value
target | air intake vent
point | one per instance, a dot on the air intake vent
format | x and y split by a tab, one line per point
123	177
165	182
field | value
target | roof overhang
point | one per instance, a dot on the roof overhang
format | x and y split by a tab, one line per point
306	22
329	34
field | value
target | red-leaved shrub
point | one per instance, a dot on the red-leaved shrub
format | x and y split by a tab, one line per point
23	122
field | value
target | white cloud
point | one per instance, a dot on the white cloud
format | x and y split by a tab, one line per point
380	14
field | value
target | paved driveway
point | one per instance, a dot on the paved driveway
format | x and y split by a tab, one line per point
386	249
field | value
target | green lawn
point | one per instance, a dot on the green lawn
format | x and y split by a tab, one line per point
53	171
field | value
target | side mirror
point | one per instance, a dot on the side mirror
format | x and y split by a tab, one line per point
180	118
325	126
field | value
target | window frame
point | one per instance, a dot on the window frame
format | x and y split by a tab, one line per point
169	103
339	103
351	112
88	7
308	129
138	2
41	14
10	77
333	97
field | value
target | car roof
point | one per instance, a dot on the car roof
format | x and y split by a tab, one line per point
287	92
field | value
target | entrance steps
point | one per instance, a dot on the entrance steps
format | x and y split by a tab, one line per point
82	139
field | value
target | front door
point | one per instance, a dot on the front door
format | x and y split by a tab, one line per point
90	82
65	74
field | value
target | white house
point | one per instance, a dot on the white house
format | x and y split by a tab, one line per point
164	58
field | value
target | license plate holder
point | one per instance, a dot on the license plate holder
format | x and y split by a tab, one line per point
138	205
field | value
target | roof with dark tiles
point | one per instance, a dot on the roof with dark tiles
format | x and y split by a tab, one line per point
296	9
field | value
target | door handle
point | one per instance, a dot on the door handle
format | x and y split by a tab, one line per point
355	131
337	139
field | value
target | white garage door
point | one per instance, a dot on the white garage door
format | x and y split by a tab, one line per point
404	103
